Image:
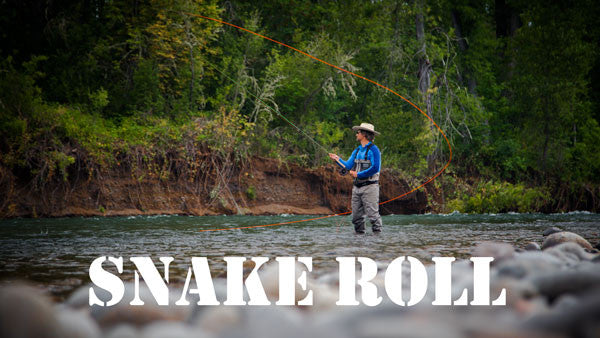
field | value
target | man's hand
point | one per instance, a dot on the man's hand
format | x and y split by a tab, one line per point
334	157
353	173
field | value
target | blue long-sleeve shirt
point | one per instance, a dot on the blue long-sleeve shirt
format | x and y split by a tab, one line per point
374	156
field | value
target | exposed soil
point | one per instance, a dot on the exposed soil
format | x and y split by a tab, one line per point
261	187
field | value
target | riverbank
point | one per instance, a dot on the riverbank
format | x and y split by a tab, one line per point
216	185
260	186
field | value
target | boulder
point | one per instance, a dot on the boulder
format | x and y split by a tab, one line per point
529	263
25	312
498	250
578	320
123	331
563	237
171	329
570	253
124	313
551	231
77	323
532	246
554	285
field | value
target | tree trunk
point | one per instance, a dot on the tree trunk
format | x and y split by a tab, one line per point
507	23
396	43
467	79
193	76
424	75
190	38
507	19
424	65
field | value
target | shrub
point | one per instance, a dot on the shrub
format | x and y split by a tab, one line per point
494	197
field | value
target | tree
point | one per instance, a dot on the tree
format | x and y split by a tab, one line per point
550	83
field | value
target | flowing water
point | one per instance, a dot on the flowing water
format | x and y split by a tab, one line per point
57	253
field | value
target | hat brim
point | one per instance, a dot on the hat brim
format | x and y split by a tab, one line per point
356	128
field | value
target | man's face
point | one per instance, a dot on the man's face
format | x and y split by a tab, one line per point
359	136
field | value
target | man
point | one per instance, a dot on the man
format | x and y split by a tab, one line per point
364	165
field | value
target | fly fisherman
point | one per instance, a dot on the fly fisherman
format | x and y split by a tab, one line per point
364	165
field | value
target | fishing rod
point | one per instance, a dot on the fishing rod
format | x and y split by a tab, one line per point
343	170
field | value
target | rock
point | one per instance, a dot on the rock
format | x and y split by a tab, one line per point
528	263
571	281
532	246
267	321
324	297
80	298
269	276
563	237
579	320
218	318
390	320
220	286
123	331
593	251
25	312
565	303
551	231
499	251
531	306
517	290
123	313
570	253
171	330
137	316
77	324
462	278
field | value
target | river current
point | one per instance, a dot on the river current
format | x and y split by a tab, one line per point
56	253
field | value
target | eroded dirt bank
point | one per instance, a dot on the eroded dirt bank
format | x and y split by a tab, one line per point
261	186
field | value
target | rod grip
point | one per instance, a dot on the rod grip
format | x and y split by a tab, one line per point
343	170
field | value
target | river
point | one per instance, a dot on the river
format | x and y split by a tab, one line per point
56	253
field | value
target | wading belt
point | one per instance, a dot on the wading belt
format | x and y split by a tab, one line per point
362	184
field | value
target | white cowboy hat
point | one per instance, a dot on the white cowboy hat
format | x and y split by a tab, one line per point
367	127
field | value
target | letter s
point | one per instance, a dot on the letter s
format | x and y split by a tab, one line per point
106	281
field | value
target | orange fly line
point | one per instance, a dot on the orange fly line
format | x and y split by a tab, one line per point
353	74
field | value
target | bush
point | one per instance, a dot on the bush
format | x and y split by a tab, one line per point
251	192
494	197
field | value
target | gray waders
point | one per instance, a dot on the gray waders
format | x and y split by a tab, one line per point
365	197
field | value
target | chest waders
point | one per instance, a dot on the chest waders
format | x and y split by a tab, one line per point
360	165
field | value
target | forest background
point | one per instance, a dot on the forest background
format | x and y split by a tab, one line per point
146	87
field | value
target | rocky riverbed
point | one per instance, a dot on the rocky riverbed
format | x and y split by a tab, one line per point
553	290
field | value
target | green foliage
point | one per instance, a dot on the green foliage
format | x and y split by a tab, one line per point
251	192
148	86
550	84
98	100
18	92
494	197
146	95
404	141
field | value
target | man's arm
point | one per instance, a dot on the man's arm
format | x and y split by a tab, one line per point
346	164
